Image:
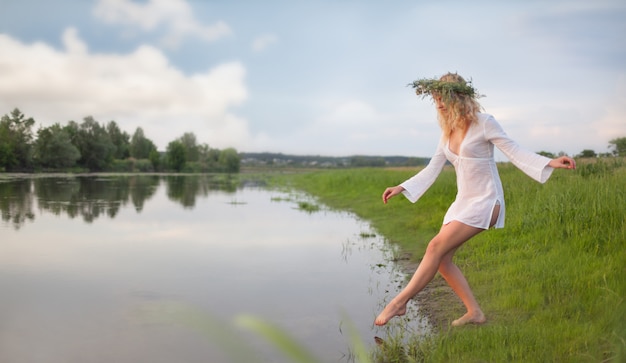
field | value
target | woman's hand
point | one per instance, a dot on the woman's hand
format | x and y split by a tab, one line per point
391	192
563	162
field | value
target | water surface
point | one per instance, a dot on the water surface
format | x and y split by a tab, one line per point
158	268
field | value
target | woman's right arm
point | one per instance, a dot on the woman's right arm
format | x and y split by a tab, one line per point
417	185
392	192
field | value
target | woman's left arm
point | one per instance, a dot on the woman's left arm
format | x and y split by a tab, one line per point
563	162
532	164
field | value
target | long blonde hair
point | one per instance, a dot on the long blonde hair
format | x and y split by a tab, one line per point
461	109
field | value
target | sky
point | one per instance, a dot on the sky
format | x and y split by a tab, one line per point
317	77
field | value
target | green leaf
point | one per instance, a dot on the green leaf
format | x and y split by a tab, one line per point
279	338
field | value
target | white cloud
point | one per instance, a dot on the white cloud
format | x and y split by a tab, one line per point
263	41
73	44
139	89
175	15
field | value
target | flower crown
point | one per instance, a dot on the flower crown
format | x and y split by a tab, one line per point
446	89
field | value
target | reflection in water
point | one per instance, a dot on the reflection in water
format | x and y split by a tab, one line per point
16	202
184	189
91	197
78	292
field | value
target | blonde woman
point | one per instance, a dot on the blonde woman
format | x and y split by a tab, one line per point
467	141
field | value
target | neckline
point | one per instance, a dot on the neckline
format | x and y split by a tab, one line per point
469	129
460	145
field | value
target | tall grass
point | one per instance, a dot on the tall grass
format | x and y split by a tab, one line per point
552	282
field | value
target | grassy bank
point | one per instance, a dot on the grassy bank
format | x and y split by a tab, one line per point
552	282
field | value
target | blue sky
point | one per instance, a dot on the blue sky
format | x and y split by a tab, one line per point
317	77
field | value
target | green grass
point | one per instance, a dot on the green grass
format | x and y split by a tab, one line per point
552	282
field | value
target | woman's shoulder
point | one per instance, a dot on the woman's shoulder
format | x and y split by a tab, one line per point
488	124
484	117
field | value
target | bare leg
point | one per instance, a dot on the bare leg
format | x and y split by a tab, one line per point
454	277
449	238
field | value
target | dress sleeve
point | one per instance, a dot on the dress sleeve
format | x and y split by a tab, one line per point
532	164
418	184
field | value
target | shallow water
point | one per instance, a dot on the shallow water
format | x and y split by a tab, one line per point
160	268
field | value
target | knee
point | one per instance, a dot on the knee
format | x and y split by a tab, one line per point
435	247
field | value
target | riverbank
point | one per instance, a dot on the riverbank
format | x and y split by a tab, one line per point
551	282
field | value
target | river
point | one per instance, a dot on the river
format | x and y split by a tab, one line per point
153	268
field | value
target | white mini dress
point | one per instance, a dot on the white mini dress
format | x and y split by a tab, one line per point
478	183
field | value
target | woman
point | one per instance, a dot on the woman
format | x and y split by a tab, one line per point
467	141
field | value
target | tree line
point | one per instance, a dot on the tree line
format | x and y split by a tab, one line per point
94	146
617	147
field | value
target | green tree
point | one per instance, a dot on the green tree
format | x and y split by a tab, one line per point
94	144
360	161
72	130
203	152
229	160
7	155
120	139
155	159
16	141
191	146
140	145
208	157
176	155
619	146
587	153
212	156
54	148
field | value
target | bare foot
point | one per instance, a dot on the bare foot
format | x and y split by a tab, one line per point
392	309
474	318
